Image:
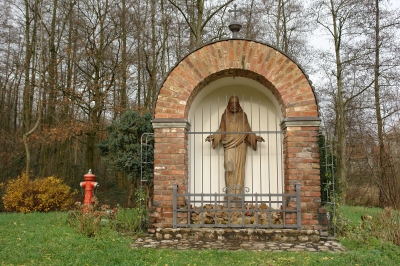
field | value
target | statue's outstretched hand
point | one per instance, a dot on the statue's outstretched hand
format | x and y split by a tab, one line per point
260	139
210	138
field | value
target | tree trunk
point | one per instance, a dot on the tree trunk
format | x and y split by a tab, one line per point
123	91
27	105
340	111
90	142
384	164
39	84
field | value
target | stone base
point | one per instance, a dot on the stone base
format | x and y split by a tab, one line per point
235	239
223	215
238	235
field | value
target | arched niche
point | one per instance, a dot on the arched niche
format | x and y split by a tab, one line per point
264	167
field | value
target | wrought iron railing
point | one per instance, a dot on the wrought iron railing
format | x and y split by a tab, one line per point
239	210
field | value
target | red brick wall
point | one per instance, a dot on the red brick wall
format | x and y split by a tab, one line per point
253	60
170	168
301	166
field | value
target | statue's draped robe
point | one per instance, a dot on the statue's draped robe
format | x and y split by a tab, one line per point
235	147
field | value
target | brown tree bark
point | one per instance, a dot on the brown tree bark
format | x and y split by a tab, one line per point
38	20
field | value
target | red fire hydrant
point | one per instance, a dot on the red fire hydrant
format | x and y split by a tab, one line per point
89	186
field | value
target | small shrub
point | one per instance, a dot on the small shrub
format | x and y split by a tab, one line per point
383	226
88	219
92	220
141	210
128	221
37	195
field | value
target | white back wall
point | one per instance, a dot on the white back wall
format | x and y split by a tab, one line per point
264	167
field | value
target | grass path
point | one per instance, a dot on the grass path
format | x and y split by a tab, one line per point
47	239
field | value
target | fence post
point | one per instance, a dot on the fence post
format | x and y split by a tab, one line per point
298	206
174	205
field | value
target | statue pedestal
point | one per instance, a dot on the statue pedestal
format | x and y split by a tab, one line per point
233	202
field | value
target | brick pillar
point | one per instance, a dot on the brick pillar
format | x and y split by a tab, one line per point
301	164
170	168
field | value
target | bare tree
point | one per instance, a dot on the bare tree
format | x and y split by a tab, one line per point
338	18
38	20
197	15
381	30
11	80
97	62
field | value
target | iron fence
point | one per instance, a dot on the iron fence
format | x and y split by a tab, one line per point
242	210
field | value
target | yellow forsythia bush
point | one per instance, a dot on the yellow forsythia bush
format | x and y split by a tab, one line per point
37	195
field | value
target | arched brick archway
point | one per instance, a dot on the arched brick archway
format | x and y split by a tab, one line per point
237	57
278	74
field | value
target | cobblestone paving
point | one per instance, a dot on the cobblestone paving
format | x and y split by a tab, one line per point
183	244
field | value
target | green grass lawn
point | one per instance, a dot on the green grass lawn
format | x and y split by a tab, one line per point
47	239
354	213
